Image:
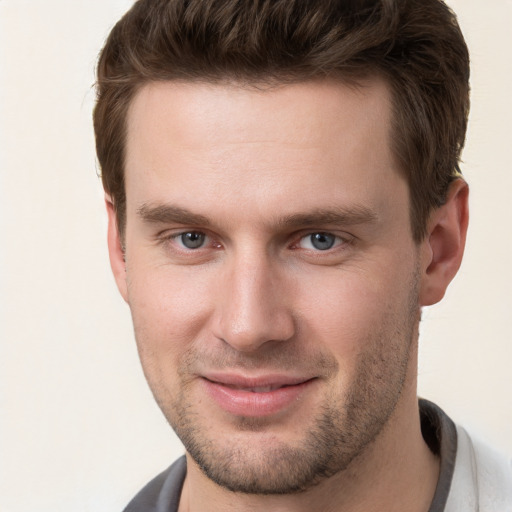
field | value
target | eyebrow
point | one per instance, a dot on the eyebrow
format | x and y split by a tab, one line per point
169	214
347	216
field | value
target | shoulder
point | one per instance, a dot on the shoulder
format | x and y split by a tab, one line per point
162	494
482	479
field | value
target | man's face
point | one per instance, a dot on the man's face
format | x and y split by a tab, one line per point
271	274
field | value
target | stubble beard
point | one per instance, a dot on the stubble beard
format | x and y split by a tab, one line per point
346	424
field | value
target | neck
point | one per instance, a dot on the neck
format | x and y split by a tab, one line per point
396	472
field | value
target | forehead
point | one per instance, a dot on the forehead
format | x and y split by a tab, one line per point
303	113
272	147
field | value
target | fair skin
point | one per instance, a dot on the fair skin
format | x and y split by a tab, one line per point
276	291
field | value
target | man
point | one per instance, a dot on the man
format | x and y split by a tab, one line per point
283	196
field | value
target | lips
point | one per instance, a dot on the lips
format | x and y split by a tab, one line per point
258	389
254	397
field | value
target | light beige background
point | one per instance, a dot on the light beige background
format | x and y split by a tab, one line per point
79	430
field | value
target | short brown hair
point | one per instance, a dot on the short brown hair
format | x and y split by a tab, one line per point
415	45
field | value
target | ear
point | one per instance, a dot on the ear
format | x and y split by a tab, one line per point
115	249
443	246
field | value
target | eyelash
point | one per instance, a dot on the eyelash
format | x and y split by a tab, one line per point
319	235
339	243
174	238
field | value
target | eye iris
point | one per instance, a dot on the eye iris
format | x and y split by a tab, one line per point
322	241
192	239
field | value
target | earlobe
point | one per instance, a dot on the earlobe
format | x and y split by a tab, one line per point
115	249
443	247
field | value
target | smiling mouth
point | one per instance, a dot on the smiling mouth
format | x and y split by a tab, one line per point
256	389
256	397
262	384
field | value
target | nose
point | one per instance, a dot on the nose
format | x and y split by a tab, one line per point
254	305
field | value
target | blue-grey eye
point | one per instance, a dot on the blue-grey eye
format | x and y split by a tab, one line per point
192	239
322	241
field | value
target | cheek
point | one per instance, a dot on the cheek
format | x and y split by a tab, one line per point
339	302
169	310
349	309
